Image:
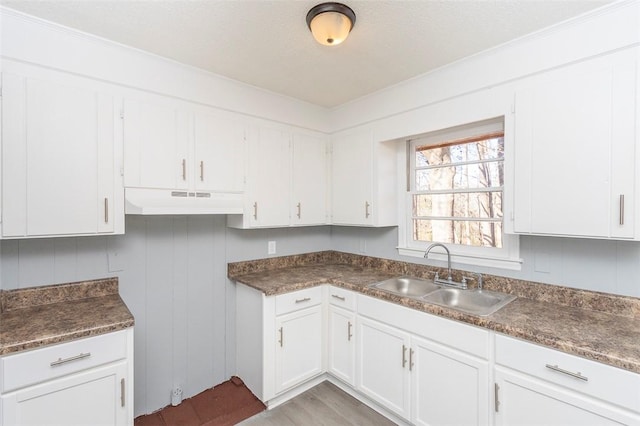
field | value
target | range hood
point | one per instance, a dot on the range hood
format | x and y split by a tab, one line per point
146	201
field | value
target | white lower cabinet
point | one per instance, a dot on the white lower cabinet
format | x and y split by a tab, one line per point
417	378
540	386
341	356
279	339
299	347
382	365
443	378
83	382
420	368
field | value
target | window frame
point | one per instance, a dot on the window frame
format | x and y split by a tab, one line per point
507	257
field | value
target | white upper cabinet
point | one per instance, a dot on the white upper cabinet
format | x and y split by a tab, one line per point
156	141
61	155
309	180
171	145
219	152
363	181
575	150
286	179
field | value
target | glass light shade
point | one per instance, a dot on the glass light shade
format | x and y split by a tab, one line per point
330	28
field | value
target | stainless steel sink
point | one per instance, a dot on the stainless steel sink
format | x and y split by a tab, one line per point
476	302
406	286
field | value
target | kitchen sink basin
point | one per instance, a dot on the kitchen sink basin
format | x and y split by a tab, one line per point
406	286
476	302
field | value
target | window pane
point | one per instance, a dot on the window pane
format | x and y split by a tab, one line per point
470	176
472	233
466	205
470	151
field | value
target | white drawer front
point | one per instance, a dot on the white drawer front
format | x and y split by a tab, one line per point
38	365
608	383
300	299
343	298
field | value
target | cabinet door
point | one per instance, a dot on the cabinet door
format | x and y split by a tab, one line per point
383	365
156	140
309	180
575	151
92	397
219	153
441	378
352	179
268	177
299	347
341	348
523	400
58	157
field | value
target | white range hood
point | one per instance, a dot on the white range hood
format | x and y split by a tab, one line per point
145	201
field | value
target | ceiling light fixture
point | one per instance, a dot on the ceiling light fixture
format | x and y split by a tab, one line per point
330	23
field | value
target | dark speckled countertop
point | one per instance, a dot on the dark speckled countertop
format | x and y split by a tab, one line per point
39	316
597	326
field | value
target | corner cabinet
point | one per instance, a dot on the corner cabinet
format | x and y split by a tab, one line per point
576	150
87	381
61	155
363	181
286	179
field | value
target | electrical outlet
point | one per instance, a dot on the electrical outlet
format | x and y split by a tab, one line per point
271	247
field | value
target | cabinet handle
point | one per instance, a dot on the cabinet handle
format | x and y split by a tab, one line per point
404	356
306	299
366	209
184	169
621	209
349	334
281	337
567	372
299	206
338	297
61	361
255	210
496	399
122	392
410	359
106	210
202	171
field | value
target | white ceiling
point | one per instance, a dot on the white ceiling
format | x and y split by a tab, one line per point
267	43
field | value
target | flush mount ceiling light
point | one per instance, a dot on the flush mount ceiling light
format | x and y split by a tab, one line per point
331	23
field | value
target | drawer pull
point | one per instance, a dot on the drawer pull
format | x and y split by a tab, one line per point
281	341
349	334
567	372
306	299
122	398
338	297
61	361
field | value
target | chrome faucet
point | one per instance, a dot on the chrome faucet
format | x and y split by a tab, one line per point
449	281
426	256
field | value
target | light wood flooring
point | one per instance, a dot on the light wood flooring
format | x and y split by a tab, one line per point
322	405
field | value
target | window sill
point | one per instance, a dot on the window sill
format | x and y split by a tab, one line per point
466	259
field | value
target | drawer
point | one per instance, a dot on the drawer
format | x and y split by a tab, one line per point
300	299
602	381
343	298
39	365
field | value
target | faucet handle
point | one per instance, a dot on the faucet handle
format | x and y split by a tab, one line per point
478	279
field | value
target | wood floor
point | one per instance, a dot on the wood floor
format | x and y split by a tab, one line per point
325	405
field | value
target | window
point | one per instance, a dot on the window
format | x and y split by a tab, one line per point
455	188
